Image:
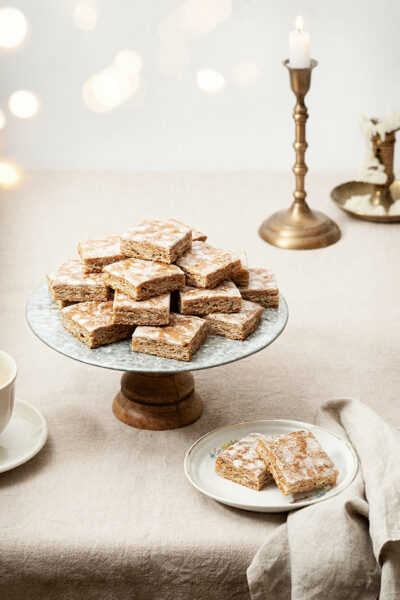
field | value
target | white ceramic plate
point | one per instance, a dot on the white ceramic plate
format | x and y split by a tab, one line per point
24	436
200	459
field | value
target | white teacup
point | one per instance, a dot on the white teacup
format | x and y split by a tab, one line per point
8	374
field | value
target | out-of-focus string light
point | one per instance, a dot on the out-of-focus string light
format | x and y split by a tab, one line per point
13	27
114	85
128	62
8	174
210	81
245	73
86	14
23	104
2	119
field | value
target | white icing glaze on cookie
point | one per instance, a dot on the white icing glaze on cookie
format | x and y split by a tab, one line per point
137	271
261	280
181	330
159	233
205	259
91	315
123	302
299	456
72	272
196	235
249	310
243	455
226	289
108	247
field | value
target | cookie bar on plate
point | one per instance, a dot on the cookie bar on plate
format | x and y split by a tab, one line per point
154	311
60	303
71	282
96	254
206	267
236	326
162	241
197	236
142	279
180	339
297	461
223	298
92	323
242	276
261	288
240	463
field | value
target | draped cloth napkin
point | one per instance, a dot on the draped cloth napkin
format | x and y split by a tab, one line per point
347	547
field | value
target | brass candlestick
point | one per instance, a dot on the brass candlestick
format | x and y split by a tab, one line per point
299	227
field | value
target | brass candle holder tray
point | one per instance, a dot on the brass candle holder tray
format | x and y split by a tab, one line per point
341	193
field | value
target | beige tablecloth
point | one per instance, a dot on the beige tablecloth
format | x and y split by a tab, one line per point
104	511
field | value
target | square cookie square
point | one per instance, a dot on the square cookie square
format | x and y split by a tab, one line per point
236	326
297	461
206	266
96	254
240	463
154	311
242	276
143	279
262	288
197	236
223	298
92	323
71	282
180	339
60	303
161	241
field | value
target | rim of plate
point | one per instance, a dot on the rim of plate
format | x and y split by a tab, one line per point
37	448
300	423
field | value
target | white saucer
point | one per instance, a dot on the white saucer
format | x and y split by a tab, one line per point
23	437
200	460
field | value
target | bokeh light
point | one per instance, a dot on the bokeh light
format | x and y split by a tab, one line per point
245	73
86	14
23	104
128	62
8	174
13	27
2	119
199	17
210	81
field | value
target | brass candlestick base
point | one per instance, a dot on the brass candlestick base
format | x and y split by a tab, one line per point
300	228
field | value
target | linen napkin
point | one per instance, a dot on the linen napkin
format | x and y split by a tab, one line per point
347	547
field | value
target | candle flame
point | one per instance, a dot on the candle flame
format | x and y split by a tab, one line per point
299	24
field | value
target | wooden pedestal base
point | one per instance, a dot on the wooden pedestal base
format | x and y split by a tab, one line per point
157	402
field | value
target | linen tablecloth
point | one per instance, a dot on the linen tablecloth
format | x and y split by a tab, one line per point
104	511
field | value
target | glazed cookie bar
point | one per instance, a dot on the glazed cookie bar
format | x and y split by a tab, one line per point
154	311
180	339
142	279
92	323
297	462
197	236
162	241
96	254
60	303
71	282
206	267
236	326
242	276
223	298
240	463
262	288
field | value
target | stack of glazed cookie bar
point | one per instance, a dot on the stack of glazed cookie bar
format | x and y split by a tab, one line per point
295	462
162	284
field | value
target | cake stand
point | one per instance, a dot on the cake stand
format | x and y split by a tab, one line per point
156	393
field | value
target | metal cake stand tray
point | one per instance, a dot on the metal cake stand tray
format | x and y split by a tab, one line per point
156	393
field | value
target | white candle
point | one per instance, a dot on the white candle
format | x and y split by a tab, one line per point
299	46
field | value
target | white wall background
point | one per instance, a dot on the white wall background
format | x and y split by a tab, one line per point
177	126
